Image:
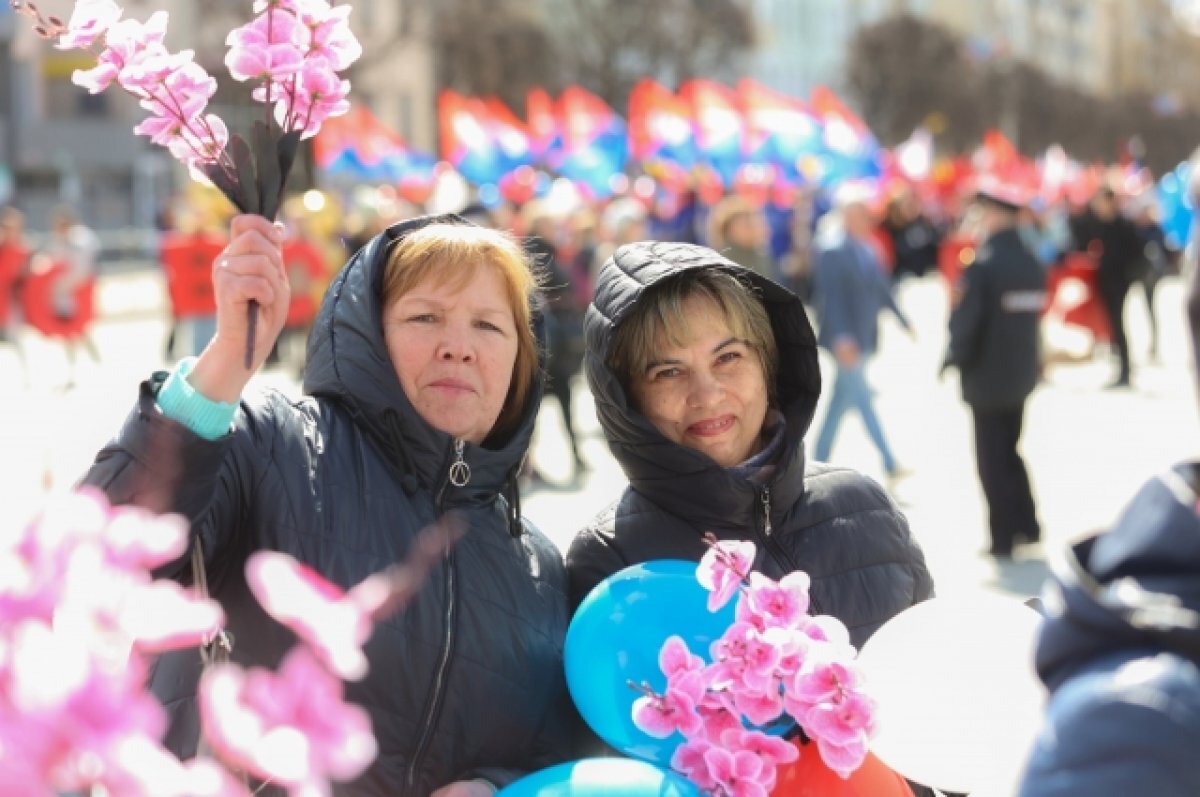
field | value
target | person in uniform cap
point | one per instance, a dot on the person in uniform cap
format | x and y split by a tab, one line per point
994	343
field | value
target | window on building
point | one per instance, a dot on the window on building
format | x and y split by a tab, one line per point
65	100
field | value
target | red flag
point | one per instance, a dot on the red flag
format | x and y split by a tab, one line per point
545	129
720	124
827	104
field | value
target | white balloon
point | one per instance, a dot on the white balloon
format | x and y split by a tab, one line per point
959	702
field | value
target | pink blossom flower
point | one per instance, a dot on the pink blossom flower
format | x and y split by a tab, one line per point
846	720
206	778
674	658
822	679
319	94
717	716
773	751
759	708
782	604
314	609
89	21
722	569
126	42
675	710
134	537
291	726
824	628
842	759
163	615
71	710
260	60
689	759
330	36
738	773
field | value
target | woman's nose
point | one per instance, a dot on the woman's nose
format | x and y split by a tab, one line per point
705	389
455	346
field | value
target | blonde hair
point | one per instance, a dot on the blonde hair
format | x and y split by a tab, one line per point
452	254
724	214
661	311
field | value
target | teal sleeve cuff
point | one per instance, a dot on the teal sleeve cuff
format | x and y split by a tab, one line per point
180	402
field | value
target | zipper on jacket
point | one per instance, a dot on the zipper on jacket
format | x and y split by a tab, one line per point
462	472
776	551
765	498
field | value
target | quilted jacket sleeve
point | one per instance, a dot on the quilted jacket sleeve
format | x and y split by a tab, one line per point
158	463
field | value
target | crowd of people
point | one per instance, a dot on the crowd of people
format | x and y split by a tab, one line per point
424	368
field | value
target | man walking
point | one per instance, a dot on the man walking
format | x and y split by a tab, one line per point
994	343
850	290
1104	231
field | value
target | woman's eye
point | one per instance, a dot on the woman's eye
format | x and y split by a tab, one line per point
665	373
422	318
728	357
487	325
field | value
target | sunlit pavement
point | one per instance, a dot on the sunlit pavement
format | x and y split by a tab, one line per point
1087	449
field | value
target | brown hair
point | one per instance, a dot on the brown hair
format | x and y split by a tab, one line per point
452	254
661	310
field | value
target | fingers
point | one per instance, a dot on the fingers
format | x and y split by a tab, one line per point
253	222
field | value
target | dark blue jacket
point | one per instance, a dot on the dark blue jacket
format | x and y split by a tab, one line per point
850	290
995	337
467	681
1120	654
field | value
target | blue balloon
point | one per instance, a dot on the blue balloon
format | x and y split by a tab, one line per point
615	638
601	777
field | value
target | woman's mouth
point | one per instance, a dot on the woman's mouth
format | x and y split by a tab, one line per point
452	385
711	427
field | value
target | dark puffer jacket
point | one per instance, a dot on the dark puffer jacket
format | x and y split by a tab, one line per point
1120	653
836	525
467	681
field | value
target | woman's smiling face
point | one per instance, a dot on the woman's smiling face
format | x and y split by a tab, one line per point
710	393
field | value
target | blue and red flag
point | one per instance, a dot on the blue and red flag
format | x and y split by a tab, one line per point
482	139
545	126
780	129
720	126
851	151
662	131
595	141
358	145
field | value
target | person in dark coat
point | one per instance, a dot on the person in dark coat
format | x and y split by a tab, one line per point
995	344
422	383
1120	648
1120	654
1103	231
705	378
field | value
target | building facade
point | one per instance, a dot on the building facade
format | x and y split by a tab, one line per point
1104	47
59	144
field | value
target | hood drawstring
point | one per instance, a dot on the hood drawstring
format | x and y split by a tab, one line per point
408	477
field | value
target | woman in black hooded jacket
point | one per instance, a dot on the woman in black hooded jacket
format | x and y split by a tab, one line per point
465	689
835	524
705	377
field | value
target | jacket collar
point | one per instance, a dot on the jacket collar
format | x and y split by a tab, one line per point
683	481
348	363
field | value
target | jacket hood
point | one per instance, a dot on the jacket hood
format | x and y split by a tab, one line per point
1136	586
677	478
348	363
